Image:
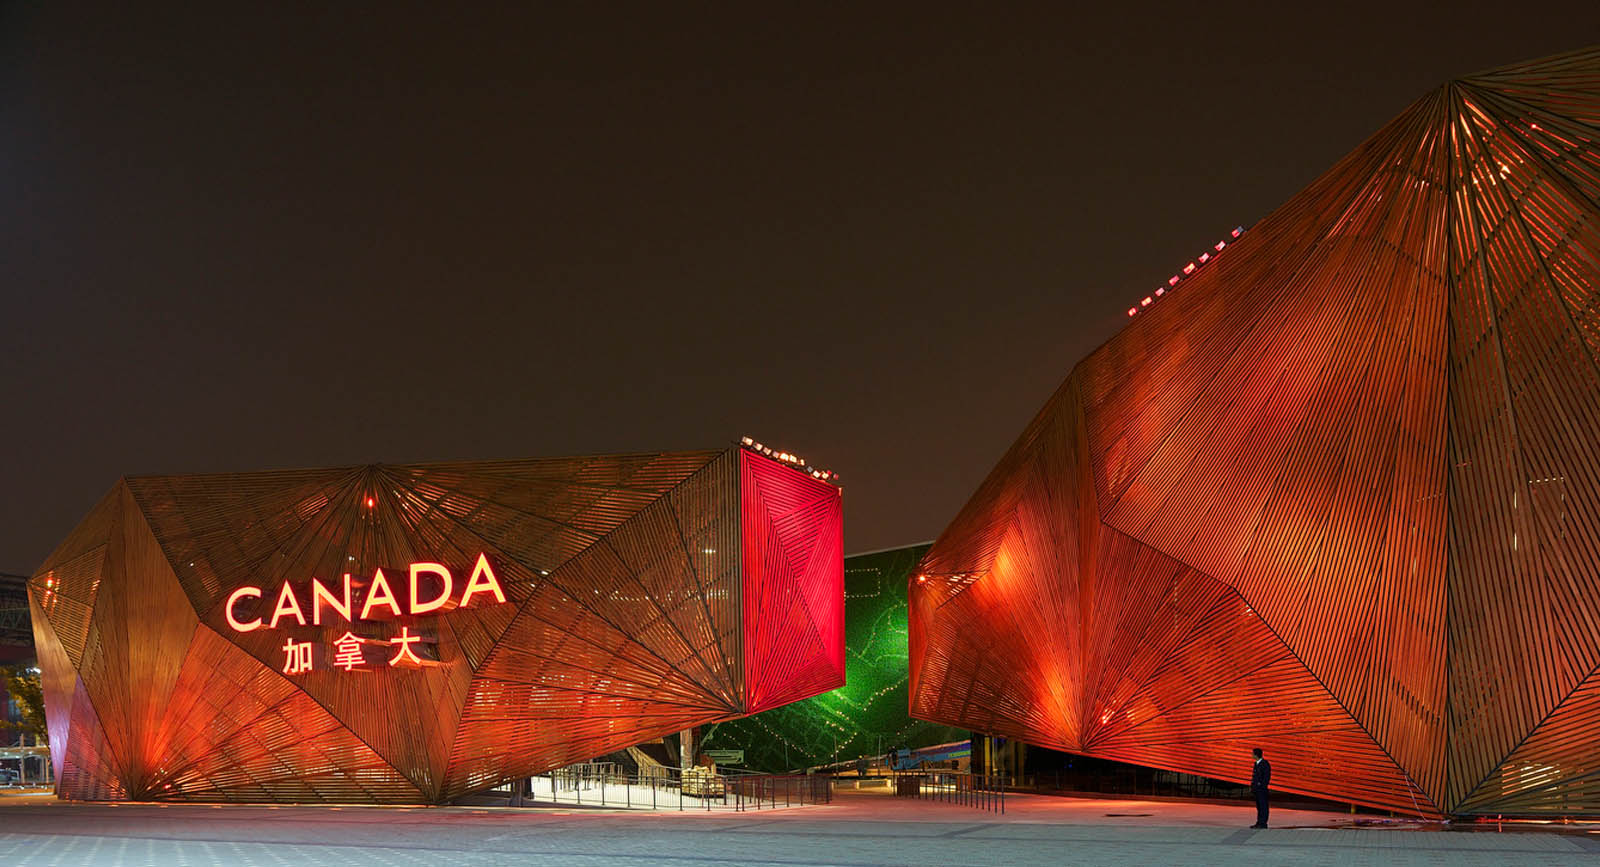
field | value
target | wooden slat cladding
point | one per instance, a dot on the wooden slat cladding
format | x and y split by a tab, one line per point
626	585
1372	427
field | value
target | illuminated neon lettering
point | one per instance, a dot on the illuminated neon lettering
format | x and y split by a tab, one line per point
321	594
377	601
237	624
417	570
404	641
287	604
379	594
482	581
347	652
297	657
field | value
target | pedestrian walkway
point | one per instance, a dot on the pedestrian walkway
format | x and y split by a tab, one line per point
857	829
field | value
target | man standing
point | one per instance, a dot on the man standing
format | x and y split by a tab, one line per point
1260	779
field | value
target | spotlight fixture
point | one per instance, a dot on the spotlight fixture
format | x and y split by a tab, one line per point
789	458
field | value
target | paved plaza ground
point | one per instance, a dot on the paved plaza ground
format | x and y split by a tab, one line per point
858	829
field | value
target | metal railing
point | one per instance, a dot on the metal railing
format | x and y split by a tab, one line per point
604	784
770	791
981	791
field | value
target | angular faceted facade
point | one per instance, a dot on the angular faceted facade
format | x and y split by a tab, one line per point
1336	496
199	639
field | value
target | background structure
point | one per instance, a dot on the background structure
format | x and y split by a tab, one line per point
1337	494
16	636
867	715
647	593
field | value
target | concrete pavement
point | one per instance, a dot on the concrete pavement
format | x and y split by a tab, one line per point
858	829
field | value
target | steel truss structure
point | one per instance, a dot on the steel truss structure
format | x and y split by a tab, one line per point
1337	496
645	594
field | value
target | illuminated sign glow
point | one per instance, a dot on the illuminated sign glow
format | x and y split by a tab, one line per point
378	602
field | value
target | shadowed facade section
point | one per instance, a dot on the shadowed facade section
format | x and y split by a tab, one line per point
1334	496
634	607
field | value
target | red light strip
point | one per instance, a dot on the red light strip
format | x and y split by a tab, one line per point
1186	271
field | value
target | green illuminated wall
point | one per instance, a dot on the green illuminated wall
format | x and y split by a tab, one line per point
867	715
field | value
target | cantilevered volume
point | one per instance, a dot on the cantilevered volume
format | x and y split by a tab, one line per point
1338	498
411	633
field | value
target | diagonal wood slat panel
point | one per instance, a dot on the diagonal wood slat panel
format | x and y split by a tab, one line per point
58	677
1556	770
1373	424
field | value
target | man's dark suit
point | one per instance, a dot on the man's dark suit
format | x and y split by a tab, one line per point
1260	779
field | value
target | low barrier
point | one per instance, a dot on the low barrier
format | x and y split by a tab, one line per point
758	791
980	791
597	785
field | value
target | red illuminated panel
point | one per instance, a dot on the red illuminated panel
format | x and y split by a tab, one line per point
793	583
1335	501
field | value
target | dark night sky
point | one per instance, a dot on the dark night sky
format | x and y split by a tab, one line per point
300	237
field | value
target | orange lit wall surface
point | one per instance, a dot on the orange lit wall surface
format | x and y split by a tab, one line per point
644	594
1336	496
